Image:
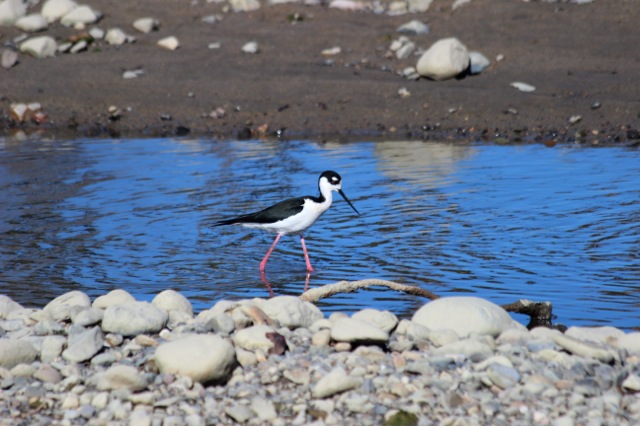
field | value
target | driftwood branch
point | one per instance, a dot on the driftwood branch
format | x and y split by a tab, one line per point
538	312
315	294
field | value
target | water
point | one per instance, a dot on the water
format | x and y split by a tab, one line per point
500	222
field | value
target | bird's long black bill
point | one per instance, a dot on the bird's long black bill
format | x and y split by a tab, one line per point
347	200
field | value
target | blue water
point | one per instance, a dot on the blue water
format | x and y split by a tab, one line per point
501	222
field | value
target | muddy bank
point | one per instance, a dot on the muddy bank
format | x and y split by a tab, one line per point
579	57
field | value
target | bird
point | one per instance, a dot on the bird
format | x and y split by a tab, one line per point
293	216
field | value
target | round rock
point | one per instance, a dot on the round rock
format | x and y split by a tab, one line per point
68	305
465	315
171	300
14	352
7	305
201	357
445	59
56	9
133	318
353	330
114	297
290	311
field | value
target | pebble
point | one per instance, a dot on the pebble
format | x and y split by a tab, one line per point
80	15
413	27
39	47
445	59
132	318
11	11
32	23
169	43
187	374
479	62
523	87
146	25
250	47
53	10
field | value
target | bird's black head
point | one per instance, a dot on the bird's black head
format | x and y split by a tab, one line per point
332	177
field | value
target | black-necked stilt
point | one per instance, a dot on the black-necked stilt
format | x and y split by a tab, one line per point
293	216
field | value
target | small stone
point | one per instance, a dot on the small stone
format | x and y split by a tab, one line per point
353	330
321	338
133	318
384	320
250	47
80	15
332	51
413	27
146	25
239	412
32	23
244	5
575	119
478	62
263	408
56	9
523	87
88	317
11	11
114	297
255	337
445	59
7	305
171	300
39	47
503	376
169	43
290	311
52	347
584	349
119	377
84	346
46	373
117	37
336	381
9	59
14	352
203	358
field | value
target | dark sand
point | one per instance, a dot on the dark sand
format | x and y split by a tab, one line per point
575	55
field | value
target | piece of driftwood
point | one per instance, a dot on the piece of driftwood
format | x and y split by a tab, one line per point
539	312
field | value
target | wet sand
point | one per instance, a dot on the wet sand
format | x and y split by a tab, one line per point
582	59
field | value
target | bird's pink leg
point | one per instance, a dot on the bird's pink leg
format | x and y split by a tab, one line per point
263	264
306	255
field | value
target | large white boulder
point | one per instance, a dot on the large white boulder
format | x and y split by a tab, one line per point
445	59
465	315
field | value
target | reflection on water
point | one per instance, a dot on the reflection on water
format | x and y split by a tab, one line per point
501	222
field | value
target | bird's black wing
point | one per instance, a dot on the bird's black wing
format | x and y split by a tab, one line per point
272	214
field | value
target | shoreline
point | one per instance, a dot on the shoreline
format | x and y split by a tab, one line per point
586	87
280	361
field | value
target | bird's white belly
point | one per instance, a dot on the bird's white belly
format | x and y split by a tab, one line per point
295	224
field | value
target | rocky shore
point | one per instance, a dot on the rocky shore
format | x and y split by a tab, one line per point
547	71
457	361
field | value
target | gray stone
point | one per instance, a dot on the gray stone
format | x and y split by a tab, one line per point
63	307
14	352
88	317
133	318
336	381
203	358
7	305
119	377
84	346
290	311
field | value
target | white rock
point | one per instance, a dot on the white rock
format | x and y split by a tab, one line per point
290	311
169	43
584	349
413	27
56	9
88	317
418	5
14	352
146	25
201	357
335	382
68	305
523	87
459	3
171	300
479	62
445	59
9	58
263	408
406	50
119	377
39	47
471	348
97	33
79	46
7	305
32	23
253	338
11	11
84	346
117	37
599	335
80	15
465	315
630	342
351	5
133	318
52	347
244	5
384	320
250	47
503	376
353	330
114	297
